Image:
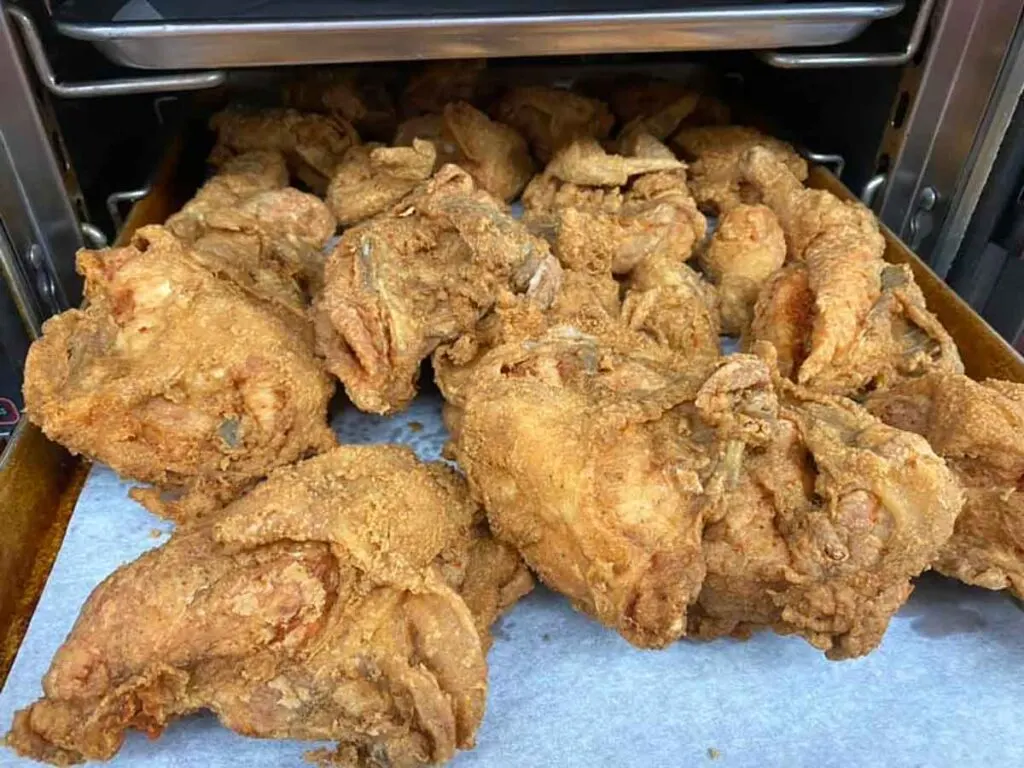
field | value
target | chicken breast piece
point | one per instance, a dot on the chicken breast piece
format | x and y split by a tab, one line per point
746	249
976	427
175	377
701	499
313	608
399	285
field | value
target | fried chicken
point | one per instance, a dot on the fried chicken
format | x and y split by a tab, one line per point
175	377
869	326
552	118
597	223
976	427
494	154
715	154
663	105
746	249
238	178
399	285
697	498
313	608
442	82
313	144
363	102
372	178
782	317
818	514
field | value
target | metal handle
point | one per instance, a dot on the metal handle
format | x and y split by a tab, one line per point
117	199
836	162
30	35
821	60
872	188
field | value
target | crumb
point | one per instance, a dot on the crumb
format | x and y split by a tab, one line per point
155	533
415	426
713	753
546	637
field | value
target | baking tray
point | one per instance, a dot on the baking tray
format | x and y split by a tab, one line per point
389	31
564	690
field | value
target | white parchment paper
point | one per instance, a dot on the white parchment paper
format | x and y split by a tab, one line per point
945	689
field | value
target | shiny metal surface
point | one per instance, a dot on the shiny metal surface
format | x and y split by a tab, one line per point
819	60
165	45
947	117
34	204
157	84
835	163
13	274
117	199
1008	94
94	236
870	191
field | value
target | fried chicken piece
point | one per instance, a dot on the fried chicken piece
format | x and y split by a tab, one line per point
283	230
239	178
783	315
819	515
363	102
309	609
175	377
663	105
715	153
372	178
581	203
745	250
671	303
313	144
842	247
976	427
553	118
442	82
399	285
703	499
494	154
619	533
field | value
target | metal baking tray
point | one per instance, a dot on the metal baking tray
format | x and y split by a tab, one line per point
377	34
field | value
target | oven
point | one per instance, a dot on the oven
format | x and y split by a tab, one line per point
913	104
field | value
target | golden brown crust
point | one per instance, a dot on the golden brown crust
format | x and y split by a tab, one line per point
290	615
552	118
175	377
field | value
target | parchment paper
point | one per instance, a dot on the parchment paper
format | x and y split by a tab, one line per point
945	689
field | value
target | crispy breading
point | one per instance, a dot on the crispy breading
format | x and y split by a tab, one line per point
494	154
176	377
552	118
703	499
313	608
372	178
399	285
313	144
715	154
362	101
976	427
745	250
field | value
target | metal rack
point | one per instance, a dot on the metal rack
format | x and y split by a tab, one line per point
387	32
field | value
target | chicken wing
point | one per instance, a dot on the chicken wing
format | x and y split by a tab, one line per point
372	178
703	499
313	144
715	154
976	427
746	249
494	154
312	608
406	281
175	377
552	118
